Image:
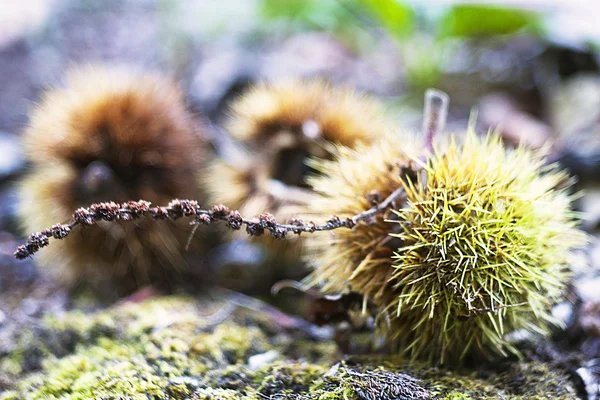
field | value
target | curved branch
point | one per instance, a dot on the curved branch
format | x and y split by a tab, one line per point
132	210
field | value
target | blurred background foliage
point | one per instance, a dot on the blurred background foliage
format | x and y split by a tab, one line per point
428	31
408	44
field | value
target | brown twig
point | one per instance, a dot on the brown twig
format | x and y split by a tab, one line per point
379	208
435	114
436	109
282	319
133	210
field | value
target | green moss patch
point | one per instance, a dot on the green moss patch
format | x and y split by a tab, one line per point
175	348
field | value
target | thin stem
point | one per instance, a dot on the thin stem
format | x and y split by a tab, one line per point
133	210
282	319
381	207
434	115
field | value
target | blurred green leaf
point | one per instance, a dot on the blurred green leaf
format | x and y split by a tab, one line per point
329	15
396	17
422	57
292	9
474	20
342	18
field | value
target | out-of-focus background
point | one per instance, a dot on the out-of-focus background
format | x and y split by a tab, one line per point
528	68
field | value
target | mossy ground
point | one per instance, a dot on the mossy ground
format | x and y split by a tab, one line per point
181	348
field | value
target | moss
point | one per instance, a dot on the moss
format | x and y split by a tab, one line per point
108	368
527	379
515	380
288	378
167	347
391	385
85	327
172	348
232	377
322	352
358	383
220	394
230	344
457	396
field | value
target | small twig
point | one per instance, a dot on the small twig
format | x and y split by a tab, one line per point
282	319
379	208
133	210
191	236
480	311
434	115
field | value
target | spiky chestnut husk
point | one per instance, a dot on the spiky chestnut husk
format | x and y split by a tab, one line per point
479	247
341	115
111	134
282	125
359	259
